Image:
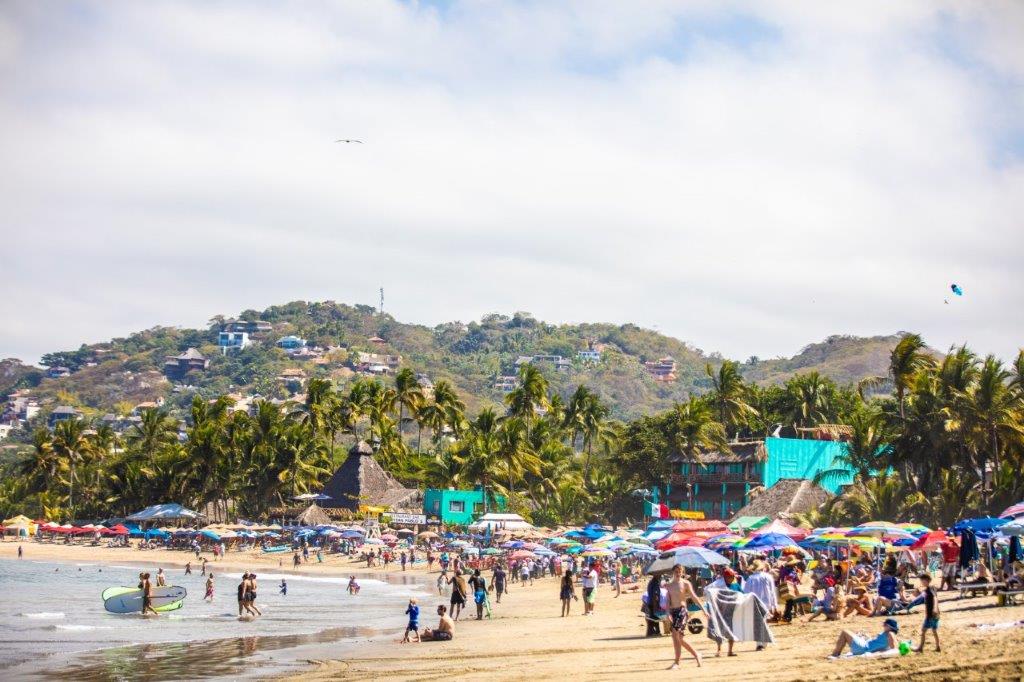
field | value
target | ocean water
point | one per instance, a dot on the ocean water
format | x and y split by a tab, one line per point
53	623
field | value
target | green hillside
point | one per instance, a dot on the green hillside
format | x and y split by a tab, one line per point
116	375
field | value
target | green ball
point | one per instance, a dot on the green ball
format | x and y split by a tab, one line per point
904	648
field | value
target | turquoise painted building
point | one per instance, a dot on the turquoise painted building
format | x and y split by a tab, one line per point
805	458
721	486
460	507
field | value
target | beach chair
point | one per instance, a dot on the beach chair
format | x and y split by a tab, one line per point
975	588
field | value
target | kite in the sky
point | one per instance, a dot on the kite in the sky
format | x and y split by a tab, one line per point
955	288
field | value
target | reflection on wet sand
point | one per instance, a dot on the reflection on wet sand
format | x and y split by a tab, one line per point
233	657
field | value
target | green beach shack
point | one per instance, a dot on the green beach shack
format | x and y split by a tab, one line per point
460	507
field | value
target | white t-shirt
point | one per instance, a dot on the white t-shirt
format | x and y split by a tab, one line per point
590	579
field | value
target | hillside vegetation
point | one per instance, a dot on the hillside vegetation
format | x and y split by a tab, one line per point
116	375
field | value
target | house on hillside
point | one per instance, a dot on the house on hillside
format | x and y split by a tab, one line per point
662	369
589	355
58	372
177	366
250	327
229	341
294	378
62	413
722	485
376	363
506	384
361	481
291	343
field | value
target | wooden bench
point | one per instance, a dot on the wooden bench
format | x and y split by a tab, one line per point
975	588
1010	598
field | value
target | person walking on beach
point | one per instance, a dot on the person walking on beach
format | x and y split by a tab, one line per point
160	579
680	593
479	586
567	592
241	594
284	588
404	559
19	550
209	588
931	612
203	572
188	568
353	586
295	559
459	591
589	589
498	581
147	594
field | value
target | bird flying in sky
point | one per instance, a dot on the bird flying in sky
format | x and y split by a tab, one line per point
350	141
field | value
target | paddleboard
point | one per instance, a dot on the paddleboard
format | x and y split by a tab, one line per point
129	599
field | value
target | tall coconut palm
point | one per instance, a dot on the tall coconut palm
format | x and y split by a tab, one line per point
408	393
694	431
530	395
70	443
154	431
480	452
729	395
809	399
450	410
865	453
989	415
39	469
883	497
905	360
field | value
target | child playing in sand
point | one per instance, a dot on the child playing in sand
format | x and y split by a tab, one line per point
931	612
414	621
353	586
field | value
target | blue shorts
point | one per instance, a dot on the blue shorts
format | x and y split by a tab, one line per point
413	626
931	624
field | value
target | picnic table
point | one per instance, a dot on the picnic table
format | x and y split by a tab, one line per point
975	588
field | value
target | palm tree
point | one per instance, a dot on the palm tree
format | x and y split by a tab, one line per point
809	400
408	393
693	431
882	497
866	452
302	459
955	498
989	414
595	430
479	451
70	443
154	431
729	394
531	394
40	468
905	360
515	452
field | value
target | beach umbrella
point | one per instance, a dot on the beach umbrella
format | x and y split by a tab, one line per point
687	557
769	541
522	554
930	541
1011	512
210	535
598	553
984	524
119	529
388	537
782	528
373	541
491	551
428	535
1014	528
915	528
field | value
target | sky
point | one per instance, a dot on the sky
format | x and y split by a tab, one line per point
748	177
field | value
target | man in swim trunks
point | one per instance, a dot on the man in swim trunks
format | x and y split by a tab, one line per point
147	595
459	591
680	592
445	630
479	587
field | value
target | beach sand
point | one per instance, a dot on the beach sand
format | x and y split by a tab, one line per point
528	638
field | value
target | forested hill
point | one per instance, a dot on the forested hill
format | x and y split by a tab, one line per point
116	375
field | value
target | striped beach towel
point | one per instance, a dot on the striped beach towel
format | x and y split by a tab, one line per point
736	616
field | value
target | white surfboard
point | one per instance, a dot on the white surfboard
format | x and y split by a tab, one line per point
129	599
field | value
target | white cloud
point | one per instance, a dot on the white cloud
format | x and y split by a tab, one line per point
746	177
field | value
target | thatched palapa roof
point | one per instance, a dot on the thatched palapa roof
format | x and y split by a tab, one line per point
361	480
787	497
313	516
749	451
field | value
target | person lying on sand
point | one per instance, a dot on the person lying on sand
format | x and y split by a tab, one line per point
859	644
